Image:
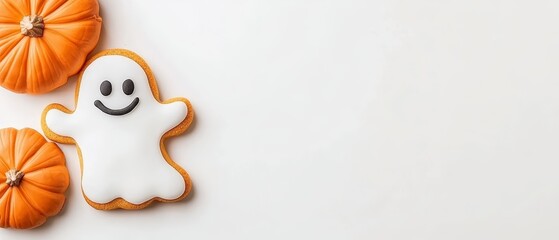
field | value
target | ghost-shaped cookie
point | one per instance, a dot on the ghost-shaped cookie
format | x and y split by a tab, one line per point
119	126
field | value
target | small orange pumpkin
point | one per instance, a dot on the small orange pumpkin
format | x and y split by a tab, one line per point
43	42
33	178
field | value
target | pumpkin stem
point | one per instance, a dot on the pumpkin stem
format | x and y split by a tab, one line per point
13	177
32	26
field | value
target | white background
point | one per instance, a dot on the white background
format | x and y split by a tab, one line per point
331	119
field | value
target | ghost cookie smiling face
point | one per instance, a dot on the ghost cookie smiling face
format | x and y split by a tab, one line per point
106	89
119	126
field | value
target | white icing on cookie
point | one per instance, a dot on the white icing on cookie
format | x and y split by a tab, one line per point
121	153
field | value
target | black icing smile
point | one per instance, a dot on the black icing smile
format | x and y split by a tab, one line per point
117	112
106	88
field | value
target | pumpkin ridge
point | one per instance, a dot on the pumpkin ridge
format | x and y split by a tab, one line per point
54	60
72	68
81	55
7	19
4	209
23	162
36	6
58	27
13	43
22	151
42	187
39	203
62	7
24	54
11	56
12	39
13	8
9	34
42	168
8	205
59	33
45	187
38	164
93	18
33	71
50	64
24	197
45	46
3	188
26	7
58	13
42	12
73	17
2	161
28	207
6	145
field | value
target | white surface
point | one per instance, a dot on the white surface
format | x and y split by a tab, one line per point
110	169
339	119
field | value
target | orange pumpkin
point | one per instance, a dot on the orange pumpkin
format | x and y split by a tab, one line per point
43	42
33	178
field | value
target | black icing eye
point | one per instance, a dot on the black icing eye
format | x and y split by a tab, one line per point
128	87
106	88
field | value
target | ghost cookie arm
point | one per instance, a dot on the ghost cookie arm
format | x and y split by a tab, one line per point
57	123
176	114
